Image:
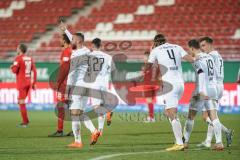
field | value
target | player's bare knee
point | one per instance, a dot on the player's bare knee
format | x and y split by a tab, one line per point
204	115
76	112
192	114
212	114
171	115
149	100
21	101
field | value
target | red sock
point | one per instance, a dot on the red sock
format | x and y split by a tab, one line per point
60	118
150	110
24	115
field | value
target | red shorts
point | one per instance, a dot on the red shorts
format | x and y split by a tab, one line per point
23	92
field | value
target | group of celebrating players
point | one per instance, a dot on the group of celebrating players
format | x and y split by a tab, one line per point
76	64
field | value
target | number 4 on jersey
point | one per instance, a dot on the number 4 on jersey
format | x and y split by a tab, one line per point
171	55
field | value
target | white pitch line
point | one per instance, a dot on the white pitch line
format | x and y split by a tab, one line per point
132	153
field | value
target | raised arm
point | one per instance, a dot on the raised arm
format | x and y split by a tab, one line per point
189	58
185	55
64	29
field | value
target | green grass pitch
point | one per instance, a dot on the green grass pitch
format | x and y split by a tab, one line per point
127	140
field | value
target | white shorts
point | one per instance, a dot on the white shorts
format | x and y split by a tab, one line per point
99	101
171	99
78	102
197	104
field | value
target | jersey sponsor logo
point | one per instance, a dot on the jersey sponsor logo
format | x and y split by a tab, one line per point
65	59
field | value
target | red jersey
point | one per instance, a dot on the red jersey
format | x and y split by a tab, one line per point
23	66
64	69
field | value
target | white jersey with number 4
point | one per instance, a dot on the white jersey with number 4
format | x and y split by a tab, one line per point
170	56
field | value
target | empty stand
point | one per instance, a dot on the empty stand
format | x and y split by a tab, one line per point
134	20
32	19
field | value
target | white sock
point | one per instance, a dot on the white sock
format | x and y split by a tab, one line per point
188	129
217	127
208	120
89	125
101	120
210	133
177	130
224	129
76	125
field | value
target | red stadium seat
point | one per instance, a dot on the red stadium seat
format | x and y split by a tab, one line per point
179	22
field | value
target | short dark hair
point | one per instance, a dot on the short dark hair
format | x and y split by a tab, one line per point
160	38
80	35
207	39
23	48
194	43
97	42
66	39
147	53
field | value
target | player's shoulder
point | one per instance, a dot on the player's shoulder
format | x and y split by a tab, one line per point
101	53
215	54
171	45
201	57
80	52
18	57
67	52
106	55
26	58
86	50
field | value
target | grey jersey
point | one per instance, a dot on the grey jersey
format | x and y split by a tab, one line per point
78	66
100	68
218	61
205	64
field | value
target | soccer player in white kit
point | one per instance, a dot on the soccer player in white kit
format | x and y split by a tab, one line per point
205	94
206	44
170	56
78	69
102	66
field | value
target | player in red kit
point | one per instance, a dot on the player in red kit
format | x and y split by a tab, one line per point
149	100
61	85
25	70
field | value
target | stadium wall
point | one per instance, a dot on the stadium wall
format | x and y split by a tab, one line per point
44	98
